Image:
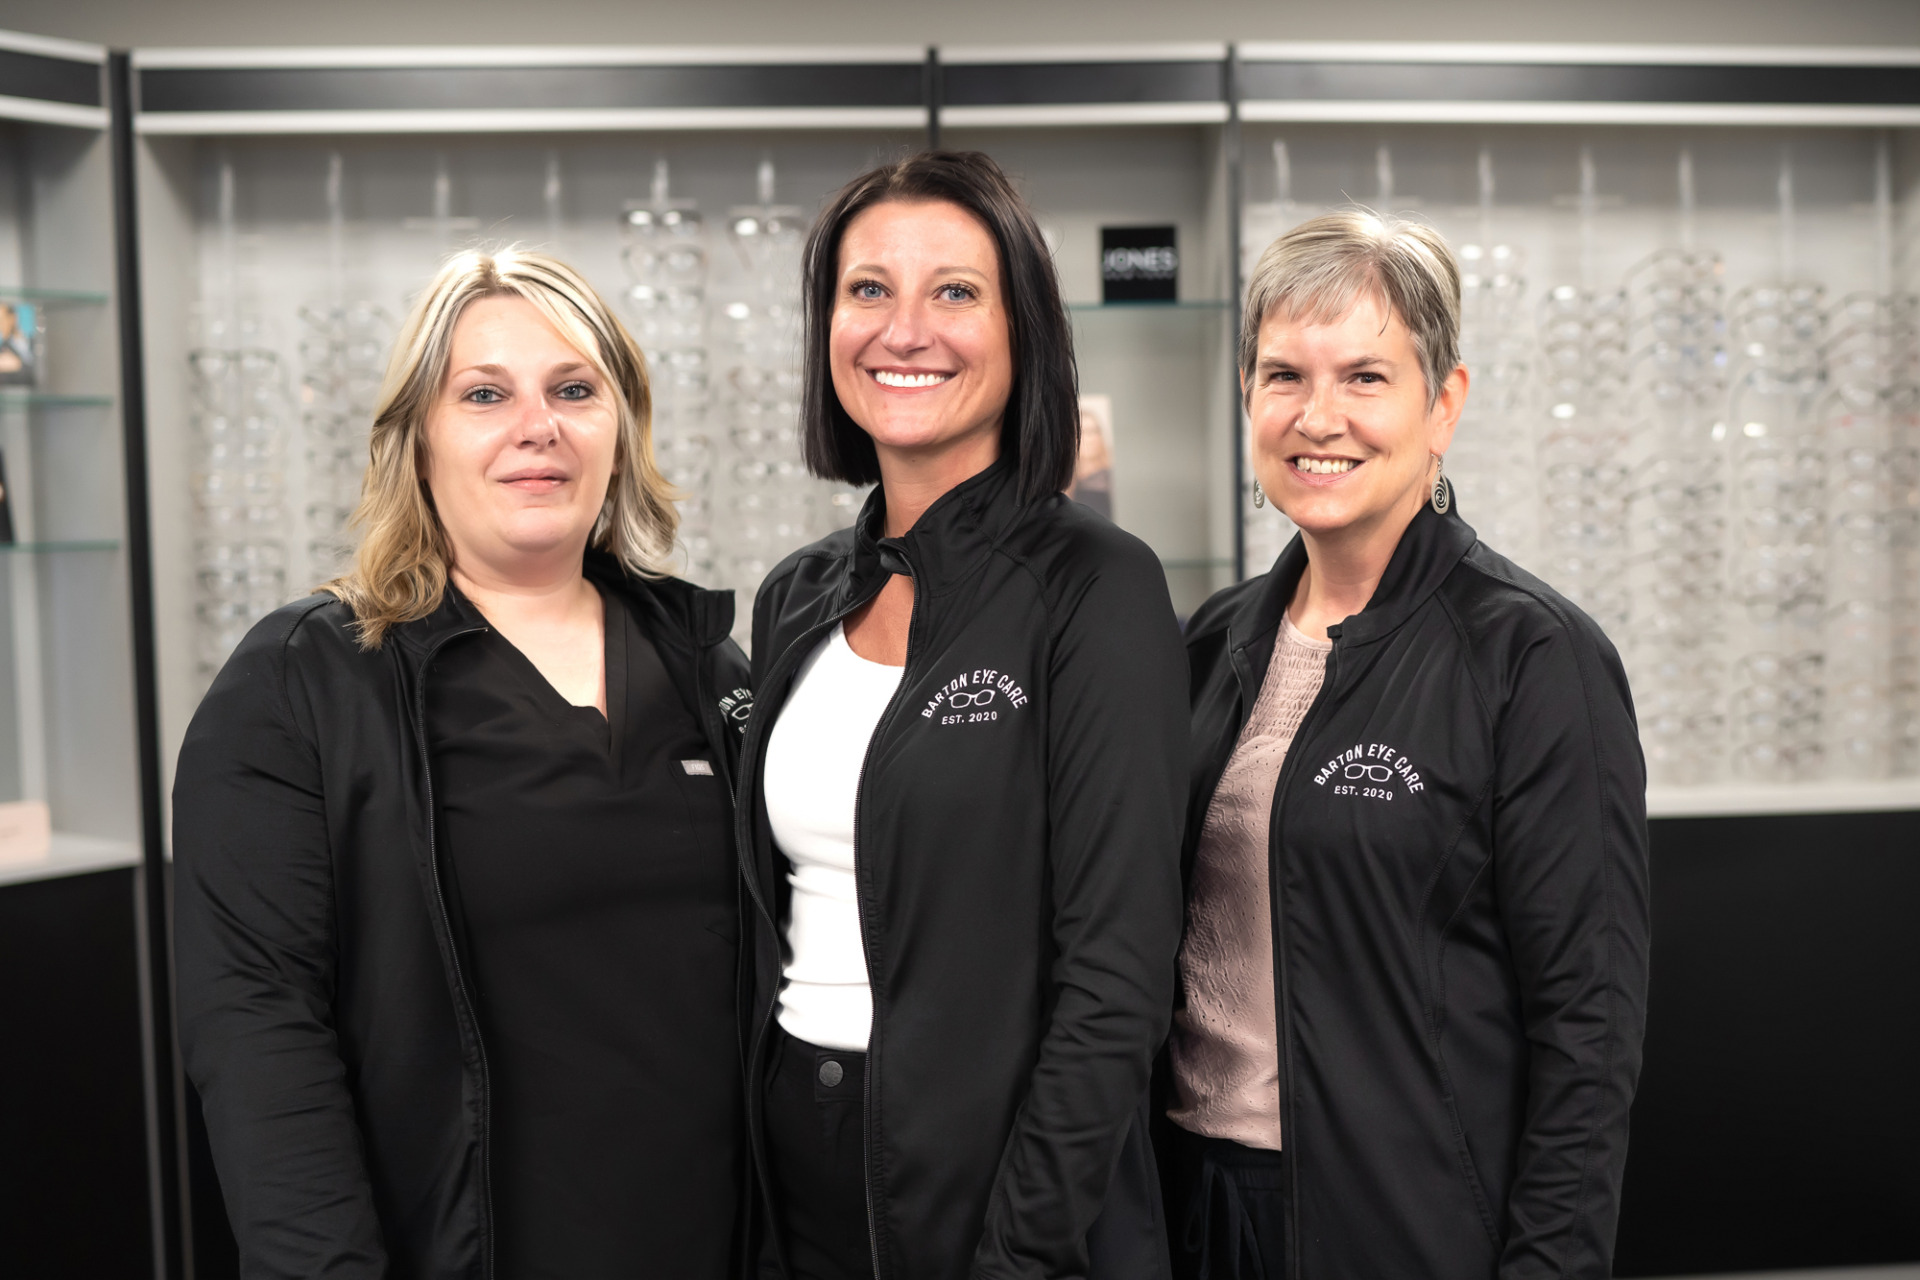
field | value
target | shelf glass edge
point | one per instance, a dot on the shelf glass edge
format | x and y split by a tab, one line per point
52	400
1729	800
54	297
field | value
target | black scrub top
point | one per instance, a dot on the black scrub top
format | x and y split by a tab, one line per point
593	889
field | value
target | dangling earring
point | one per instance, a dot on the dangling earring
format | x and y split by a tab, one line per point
1259	495
1442	488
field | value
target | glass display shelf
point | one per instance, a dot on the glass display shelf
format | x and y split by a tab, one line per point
63	544
72	855
52	400
1733	799
52	297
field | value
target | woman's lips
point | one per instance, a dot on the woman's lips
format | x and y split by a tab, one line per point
910	379
1324	474
534	481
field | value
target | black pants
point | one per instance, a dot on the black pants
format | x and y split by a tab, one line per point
1225	1210
816	1162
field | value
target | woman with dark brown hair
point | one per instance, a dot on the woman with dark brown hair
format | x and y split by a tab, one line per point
961	791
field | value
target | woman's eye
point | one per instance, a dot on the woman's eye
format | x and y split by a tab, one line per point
866	291
576	391
485	395
956	293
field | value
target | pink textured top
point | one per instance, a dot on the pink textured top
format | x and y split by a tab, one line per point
1225	1046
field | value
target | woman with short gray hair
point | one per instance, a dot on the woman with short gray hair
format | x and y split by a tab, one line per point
1414	970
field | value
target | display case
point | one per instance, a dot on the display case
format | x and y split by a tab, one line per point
84	1073
67	716
1688	320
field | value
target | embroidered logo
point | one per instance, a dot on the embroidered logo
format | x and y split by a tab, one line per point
1371	771
736	707
975	697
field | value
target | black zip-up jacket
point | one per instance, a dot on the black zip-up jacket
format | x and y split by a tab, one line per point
324	1012
1018	871
1458	863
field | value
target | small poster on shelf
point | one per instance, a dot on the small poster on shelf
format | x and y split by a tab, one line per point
19	344
26	832
1139	264
1093	469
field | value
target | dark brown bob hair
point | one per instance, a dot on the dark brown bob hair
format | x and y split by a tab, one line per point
1041	432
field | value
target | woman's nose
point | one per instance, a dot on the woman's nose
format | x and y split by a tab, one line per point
539	422
908	328
1316	415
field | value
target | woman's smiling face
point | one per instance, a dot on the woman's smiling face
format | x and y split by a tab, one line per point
522	439
1343	437
921	346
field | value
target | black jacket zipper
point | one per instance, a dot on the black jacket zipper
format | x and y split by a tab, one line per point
1276	898
862	900
758	727
453	948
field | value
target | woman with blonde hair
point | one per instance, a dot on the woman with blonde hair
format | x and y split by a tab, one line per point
456	905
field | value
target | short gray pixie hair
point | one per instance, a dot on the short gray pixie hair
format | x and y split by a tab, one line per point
1321	268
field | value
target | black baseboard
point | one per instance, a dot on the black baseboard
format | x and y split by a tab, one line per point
73	1136
1776	1124
1779	1112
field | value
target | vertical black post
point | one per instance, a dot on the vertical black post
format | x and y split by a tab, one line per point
163	1128
1235	162
934	90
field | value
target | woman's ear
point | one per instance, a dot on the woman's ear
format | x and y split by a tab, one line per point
1447	407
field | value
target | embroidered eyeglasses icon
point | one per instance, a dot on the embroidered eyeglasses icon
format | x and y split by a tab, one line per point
1371	772
978	698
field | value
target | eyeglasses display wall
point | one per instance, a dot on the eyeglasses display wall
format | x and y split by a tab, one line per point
285	265
1693	409
304	253
308	254
1689	346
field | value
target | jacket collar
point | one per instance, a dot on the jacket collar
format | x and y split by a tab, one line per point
1428	551
679	609
947	542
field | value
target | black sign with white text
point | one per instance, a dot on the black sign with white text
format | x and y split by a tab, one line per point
1139	264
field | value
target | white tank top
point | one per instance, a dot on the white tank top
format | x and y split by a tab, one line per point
812	776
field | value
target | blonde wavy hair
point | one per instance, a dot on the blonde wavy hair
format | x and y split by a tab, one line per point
399	572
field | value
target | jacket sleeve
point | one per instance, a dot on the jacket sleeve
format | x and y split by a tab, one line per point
254	953
1116	778
1570	867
